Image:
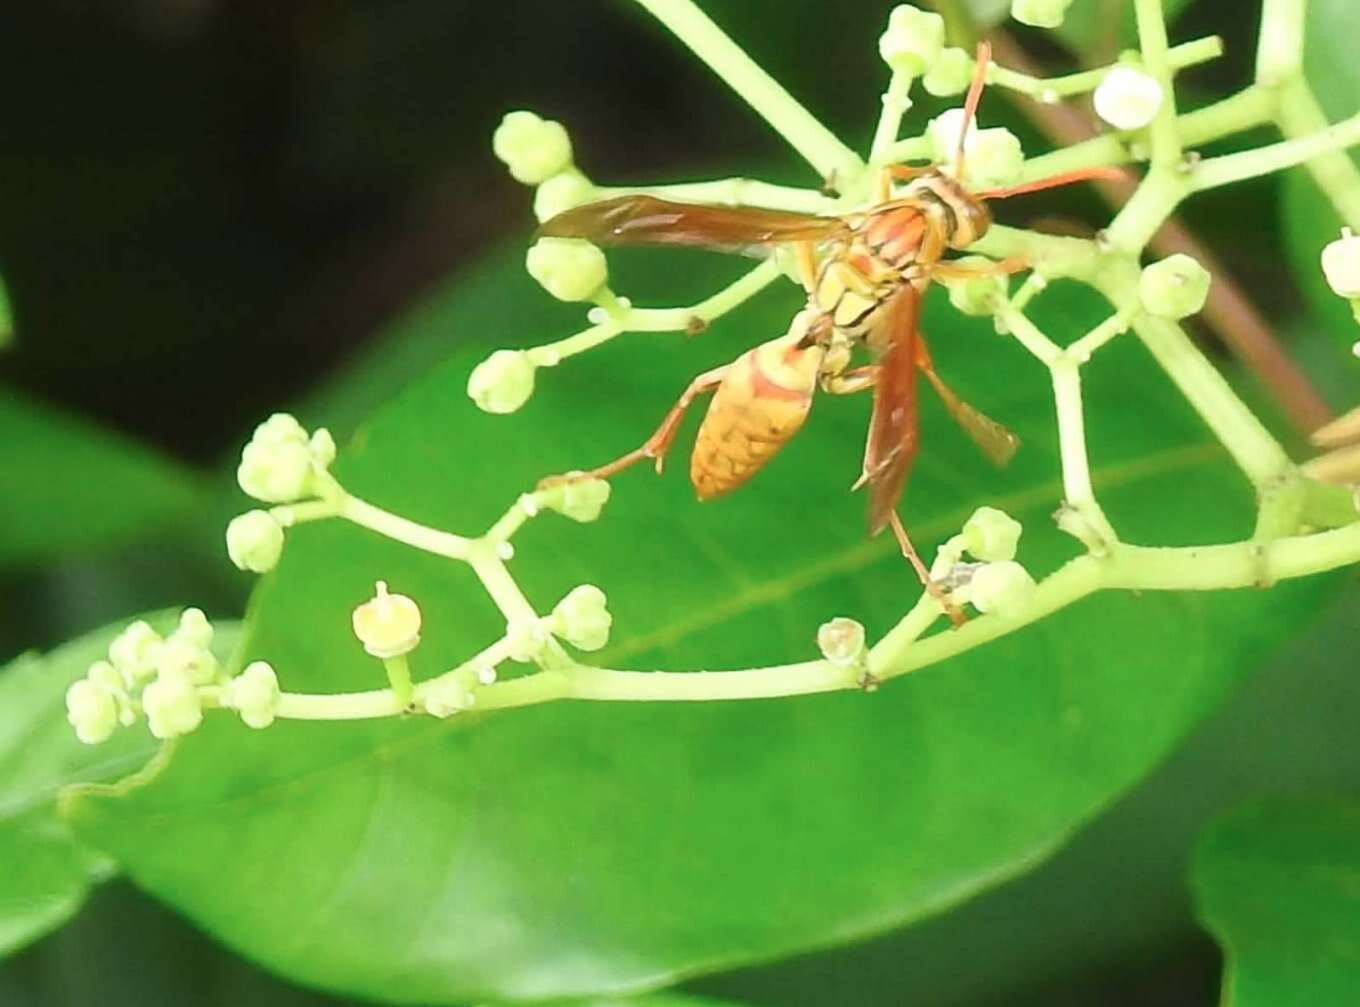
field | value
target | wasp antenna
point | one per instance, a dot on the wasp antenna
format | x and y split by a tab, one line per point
970	104
1103	174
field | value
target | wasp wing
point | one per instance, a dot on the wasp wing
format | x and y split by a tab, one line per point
647	220
997	443
894	436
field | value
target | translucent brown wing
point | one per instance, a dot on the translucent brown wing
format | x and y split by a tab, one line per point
996	443
893	432
646	220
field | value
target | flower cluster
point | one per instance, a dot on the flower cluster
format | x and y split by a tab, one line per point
168	680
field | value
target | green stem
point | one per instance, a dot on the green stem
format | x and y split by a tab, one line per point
1277	156
1078	494
816	144
399	677
1051	89
1166	144
1335	172
431	540
895	104
1279	49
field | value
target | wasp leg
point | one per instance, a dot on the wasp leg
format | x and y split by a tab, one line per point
897	173
655	446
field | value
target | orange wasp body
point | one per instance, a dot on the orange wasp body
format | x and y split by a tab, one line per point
864	274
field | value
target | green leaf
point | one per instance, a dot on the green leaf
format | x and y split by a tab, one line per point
1279	886
70	485
578	849
1310	220
6	317
39	754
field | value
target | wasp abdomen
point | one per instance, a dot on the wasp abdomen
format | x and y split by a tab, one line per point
762	402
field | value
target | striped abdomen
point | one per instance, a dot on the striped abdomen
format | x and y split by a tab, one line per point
762	402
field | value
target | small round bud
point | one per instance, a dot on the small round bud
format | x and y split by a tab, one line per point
388	625
1175	287
978	295
579	499
1128	98
582	618
172	706
533	149
1341	265
92	710
944	130
449	695
254	694
194	628
1040	13
276	466
564	191
323	448
842	642
1004	588
525	640
570	269
913	40
950	74
105	675
994	158
255	541
133	652
502	382
991	535
178	657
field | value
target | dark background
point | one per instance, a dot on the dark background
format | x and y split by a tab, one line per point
208	207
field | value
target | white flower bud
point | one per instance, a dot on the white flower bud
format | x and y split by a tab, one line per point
92	710
950	74
254	694
1040	13
1175	287
194	628
388	625
842	642
564	191
571	269
449	695
172	706
992	157
979	295
582	618
991	535
1004	588
1128	98
276	466
502	382
323	448
133	652
255	541
579	499
1341	265
525	640
533	149
913	40
179	657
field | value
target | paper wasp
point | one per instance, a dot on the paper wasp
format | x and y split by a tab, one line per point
864	274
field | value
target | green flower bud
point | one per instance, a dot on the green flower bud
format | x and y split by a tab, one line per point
978	295
194	628
172	706
944	130
1040	13
179	657
1128	98
1004	588
533	149
388	625
502	382
1341	265
92	710
276	466
913	40
449	695
579	499
323	448
254	694
255	541
1175	287
570	269
991	535
565	190
106	676
950	74
842	642
525	640
133	652
994	158
582	619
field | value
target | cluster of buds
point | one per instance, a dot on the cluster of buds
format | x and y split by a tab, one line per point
167	680
992	157
993	581
282	464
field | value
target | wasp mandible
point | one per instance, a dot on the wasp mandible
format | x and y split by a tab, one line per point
864	274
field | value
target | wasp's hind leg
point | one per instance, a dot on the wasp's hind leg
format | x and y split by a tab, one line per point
655	446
